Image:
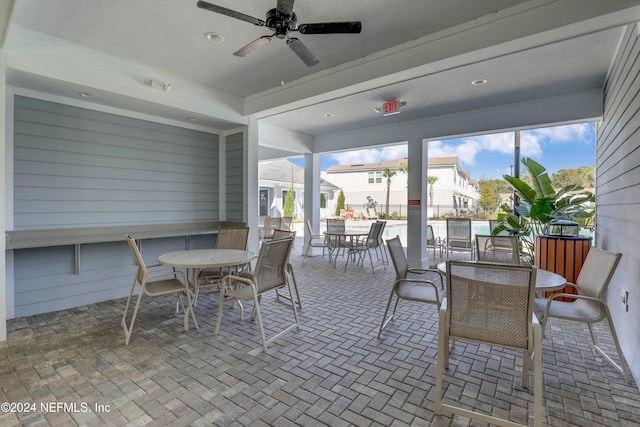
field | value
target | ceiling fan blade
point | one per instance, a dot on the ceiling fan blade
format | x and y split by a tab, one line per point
302	51
285	7
253	46
232	13
330	27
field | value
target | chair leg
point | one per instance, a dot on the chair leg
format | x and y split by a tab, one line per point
537	375
256	315
295	287
306	253
441	363
373	270
622	367
221	303
385	321
129	328
526	359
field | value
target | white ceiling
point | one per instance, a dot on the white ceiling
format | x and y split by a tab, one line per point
424	52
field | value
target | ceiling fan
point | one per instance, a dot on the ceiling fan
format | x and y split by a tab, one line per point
282	20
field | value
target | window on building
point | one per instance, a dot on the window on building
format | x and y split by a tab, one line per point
375	177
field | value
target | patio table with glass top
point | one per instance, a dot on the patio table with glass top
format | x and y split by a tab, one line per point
546	281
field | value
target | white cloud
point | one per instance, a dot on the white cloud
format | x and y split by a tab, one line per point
467	149
579	133
371	155
530	145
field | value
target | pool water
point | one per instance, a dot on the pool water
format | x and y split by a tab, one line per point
439	228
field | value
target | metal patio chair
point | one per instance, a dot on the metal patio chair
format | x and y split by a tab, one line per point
492	304
269	274
589	305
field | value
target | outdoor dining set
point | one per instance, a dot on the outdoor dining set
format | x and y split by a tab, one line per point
494	296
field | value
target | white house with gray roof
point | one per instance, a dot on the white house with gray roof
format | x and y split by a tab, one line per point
454	190
276	176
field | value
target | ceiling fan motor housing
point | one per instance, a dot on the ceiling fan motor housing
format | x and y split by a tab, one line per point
281	24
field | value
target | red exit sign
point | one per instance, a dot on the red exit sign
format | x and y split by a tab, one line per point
391	107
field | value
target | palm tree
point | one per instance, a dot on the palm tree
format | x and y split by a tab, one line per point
431	180
388	173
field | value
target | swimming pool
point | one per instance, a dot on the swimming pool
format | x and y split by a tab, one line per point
399	228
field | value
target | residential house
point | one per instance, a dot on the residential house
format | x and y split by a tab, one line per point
275	177
454	192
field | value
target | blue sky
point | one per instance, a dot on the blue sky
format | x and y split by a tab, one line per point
490	156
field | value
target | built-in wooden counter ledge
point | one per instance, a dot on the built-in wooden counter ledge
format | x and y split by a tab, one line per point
38	238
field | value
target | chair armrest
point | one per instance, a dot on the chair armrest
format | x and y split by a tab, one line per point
154	265
166	273
575	296
429	270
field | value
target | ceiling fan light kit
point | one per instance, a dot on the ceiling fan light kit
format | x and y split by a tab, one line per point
282	20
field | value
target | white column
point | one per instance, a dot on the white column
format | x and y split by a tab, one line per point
312	192
417	203
251	187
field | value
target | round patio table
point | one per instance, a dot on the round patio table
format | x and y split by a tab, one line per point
546	281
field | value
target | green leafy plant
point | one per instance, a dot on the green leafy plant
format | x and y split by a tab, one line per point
288	203
340	202
539	204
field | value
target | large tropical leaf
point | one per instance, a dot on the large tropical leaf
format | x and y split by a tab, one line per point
539	178
525	192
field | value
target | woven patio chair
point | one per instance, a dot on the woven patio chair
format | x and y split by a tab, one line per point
490	303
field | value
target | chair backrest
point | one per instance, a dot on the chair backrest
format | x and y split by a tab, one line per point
503	249
137	256
335	225
282	234
375	234
287	222
232	237
266	227
491	303
596	272
431	238
309	228
270	271
493	224
398	257
381	232
459	232
276	222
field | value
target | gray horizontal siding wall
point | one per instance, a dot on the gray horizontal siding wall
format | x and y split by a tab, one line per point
618	191
76	167
235	177
79	168
44	278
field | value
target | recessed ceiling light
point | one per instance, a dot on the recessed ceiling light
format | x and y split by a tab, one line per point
86	95
329	114
214	37
479	82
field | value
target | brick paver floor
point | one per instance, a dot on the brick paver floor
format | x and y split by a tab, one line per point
72	368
